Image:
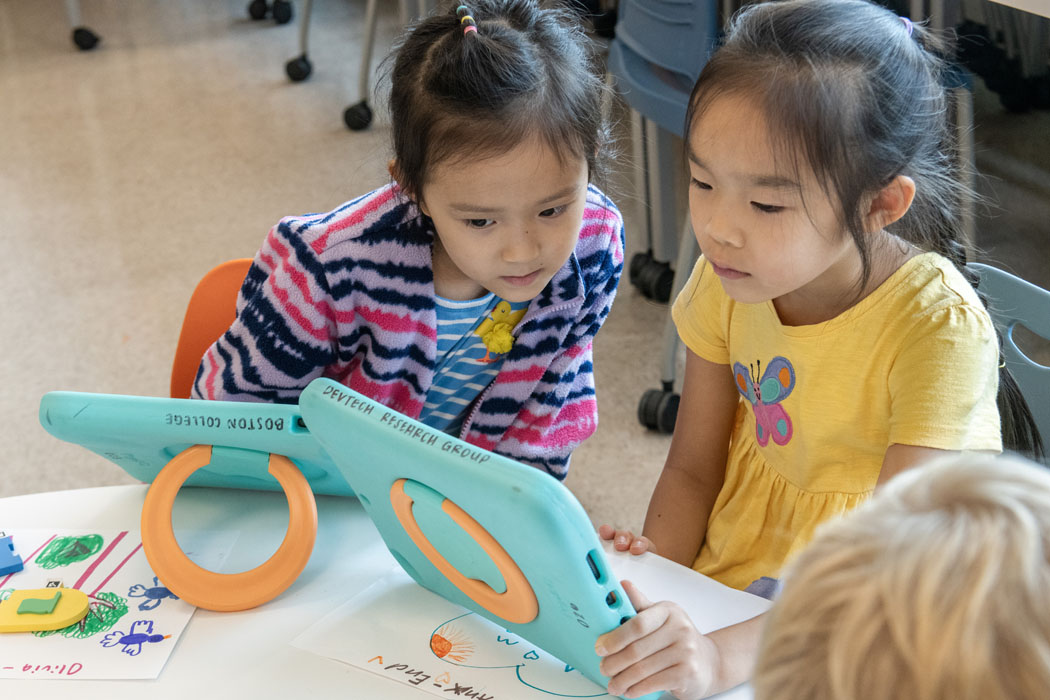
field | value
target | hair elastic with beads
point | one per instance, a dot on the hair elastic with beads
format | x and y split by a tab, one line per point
465	19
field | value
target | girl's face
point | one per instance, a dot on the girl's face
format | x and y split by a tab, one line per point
505	224
769	233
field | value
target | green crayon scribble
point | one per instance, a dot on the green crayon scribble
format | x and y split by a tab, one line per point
63	551
99	618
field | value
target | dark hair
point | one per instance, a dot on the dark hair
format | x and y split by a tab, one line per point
527	72
854	93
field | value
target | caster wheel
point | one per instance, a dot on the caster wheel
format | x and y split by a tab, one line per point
667	413
655	279
658	410
282	11
298	69
659	280
638	263
647	407
257	9
358	117
85	39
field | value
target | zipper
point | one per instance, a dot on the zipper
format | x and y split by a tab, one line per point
481	397
474	411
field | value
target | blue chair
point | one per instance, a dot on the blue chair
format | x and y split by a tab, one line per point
657	55
659	50
1012	301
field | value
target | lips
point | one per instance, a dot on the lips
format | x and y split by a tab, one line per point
727	272
522	280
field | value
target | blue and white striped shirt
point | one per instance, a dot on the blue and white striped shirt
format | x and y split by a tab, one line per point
465	366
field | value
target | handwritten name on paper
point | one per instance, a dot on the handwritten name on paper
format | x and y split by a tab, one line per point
53	669
415	676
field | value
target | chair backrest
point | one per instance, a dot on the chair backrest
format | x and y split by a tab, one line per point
1012	301
676	35
211	310
659	50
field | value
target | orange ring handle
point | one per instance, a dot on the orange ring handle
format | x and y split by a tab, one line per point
517	604
226	592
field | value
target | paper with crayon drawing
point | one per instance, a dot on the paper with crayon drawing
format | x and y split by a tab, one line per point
399	630
133	622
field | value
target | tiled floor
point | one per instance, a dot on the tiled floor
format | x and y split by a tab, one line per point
127	172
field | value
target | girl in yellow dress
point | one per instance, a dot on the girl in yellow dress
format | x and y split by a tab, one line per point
833	338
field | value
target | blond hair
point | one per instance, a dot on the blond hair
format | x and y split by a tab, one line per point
937	589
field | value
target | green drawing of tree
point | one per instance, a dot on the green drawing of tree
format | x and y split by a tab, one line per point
100	618
63	551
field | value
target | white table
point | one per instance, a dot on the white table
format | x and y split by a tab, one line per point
248	654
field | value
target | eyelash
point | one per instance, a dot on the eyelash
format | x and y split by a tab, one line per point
767	208
764	208
546	213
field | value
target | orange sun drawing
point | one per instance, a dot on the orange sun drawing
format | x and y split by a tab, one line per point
451	643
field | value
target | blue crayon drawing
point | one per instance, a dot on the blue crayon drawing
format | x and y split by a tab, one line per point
153	595
141	633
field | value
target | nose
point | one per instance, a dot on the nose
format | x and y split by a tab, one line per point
718	225
521	246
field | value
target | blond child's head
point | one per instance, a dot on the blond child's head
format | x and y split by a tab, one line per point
937	589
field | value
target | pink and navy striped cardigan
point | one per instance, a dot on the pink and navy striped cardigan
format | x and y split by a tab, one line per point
350	295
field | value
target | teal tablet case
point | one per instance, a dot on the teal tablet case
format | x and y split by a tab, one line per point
532	516
141	434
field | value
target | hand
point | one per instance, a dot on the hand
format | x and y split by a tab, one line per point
658	649
625	540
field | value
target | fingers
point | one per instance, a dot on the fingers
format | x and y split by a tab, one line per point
678	660
652	673
638	627
625	540
667	670
637	598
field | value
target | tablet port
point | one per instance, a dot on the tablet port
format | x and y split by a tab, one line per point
592	561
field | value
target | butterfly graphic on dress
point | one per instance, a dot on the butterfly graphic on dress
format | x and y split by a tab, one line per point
765	395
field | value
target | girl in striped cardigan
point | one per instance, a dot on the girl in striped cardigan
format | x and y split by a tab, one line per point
465	293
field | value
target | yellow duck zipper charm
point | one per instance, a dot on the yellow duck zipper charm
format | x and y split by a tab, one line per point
496	331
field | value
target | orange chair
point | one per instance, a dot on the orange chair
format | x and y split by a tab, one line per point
210	312
212	308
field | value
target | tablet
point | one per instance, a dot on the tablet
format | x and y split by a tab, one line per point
142	434
488	533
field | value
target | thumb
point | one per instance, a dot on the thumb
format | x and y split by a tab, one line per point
637	598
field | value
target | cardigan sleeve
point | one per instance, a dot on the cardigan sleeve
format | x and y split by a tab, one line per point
281	338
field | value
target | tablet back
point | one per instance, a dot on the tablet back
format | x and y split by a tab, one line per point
140	434
500	538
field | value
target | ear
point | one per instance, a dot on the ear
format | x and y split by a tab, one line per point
890	203
395	172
